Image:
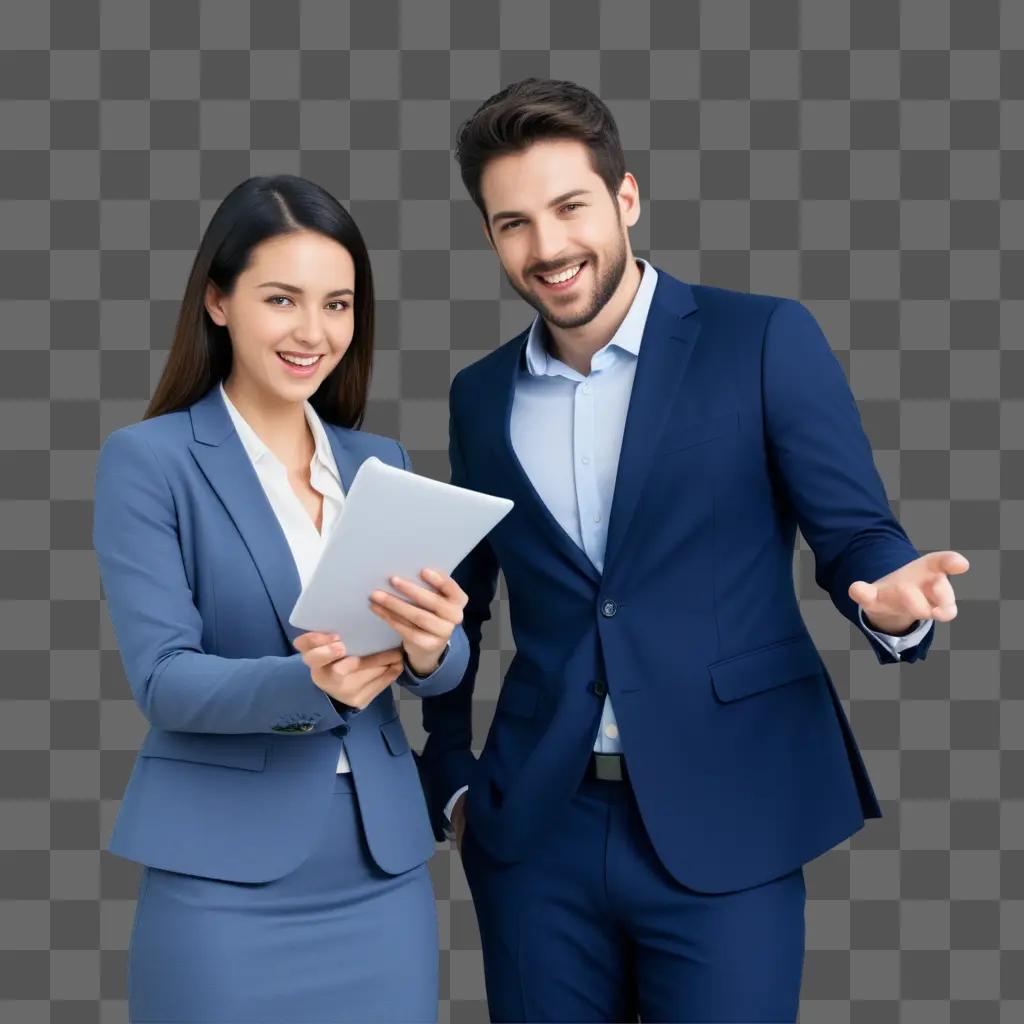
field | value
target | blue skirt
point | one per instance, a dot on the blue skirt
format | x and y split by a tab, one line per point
336	939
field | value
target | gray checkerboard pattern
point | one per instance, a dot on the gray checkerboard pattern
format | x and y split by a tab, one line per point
867	157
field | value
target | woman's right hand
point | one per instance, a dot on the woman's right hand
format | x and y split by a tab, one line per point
353	681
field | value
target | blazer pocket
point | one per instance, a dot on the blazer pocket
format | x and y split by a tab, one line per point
394	736
765	668
204	748
691	432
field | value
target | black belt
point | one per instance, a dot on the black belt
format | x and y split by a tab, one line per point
608	768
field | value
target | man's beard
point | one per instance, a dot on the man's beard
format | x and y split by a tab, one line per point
606	283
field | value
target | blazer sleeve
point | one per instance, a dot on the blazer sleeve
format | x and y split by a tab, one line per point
447	762
823	458
175	683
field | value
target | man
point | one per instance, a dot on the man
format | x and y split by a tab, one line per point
668	748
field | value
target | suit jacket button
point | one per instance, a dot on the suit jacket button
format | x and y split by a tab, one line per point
608	609
599	687
306	726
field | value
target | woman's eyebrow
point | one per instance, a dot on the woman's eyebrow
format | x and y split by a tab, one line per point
298	291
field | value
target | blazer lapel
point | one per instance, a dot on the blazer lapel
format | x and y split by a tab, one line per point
221	456
518	483
669	337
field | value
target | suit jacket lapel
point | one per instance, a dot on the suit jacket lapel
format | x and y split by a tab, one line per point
670	334
219	452
519	485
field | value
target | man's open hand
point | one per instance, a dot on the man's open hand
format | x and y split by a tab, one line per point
918	590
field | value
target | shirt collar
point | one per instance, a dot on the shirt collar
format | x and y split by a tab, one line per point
627	338
256	449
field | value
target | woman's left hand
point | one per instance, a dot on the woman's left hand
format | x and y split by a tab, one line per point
426	624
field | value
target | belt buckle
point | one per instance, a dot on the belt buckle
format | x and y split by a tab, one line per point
608	767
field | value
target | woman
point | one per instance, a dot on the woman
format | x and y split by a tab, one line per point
275	803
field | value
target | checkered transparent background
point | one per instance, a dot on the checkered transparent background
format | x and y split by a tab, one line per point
866	157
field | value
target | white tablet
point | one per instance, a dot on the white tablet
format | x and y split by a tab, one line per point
392	523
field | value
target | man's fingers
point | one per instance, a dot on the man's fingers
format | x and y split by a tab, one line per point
907	598
951	562
940	593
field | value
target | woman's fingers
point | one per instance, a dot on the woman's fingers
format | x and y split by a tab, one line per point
437	623
451	590
319	657
308	641
407	631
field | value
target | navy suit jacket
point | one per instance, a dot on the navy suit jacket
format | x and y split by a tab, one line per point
741	427
235	774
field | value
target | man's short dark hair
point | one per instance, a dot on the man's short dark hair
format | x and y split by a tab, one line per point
532	110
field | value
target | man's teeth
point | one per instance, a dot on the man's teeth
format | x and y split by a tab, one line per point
297	361
565	275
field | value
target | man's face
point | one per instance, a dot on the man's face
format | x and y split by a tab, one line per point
549	212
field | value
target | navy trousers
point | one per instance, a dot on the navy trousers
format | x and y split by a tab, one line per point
591	927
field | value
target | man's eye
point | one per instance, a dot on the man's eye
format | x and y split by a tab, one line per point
508	224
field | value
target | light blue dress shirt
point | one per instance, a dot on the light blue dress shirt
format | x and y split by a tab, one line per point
567	433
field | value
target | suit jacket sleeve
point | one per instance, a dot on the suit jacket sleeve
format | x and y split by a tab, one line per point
823	461
158	627
447	761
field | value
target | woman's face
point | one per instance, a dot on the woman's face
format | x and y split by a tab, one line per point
294	301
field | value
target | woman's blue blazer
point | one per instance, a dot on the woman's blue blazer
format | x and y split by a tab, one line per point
235	774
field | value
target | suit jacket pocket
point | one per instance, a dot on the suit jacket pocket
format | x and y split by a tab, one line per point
765	668
394	736
690	432
205	748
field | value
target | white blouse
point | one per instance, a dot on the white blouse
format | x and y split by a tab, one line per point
303	539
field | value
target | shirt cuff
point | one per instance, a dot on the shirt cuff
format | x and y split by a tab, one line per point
440	662
449	829
895	645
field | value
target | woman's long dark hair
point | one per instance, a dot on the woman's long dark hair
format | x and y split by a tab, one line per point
257	209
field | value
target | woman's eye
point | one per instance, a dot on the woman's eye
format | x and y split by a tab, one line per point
335	302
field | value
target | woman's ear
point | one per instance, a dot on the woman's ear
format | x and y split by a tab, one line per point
214	303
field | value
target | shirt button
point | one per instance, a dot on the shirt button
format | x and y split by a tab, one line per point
585	460
585	388
611	731
597	517
608	609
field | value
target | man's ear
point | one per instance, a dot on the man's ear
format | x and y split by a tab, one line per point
212	301
629	192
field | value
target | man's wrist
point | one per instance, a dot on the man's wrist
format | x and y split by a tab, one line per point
897	628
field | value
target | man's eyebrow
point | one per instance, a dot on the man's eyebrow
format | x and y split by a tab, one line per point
506	214
298	291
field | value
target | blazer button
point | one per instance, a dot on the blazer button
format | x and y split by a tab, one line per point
608	609
305	726
599	687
